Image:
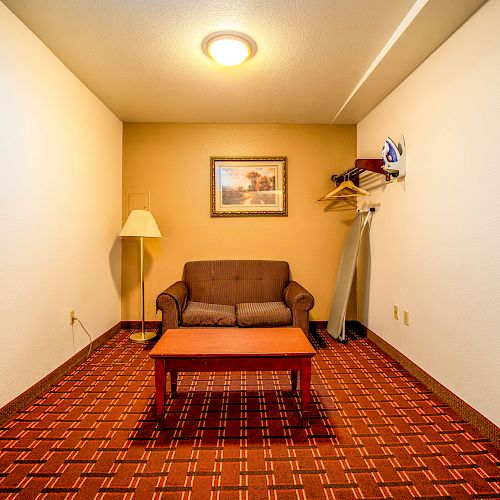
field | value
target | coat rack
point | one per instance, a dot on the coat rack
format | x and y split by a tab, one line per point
346	188
392	165
362	165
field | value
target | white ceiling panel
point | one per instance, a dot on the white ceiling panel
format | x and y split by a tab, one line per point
143	58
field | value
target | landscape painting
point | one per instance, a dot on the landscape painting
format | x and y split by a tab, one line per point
244	186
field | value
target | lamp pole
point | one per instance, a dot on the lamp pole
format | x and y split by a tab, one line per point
142	336
142	290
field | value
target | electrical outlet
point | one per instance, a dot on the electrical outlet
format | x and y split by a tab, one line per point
71	316
396	312
406	318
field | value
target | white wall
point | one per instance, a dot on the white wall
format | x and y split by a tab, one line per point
435	239
60	210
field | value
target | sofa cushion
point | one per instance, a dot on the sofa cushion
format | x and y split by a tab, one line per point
263	314
203	314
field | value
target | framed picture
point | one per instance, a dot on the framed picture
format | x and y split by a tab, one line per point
248	186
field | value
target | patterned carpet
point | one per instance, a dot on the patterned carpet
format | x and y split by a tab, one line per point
375	433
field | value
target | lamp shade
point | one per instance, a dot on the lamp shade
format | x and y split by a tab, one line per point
141	223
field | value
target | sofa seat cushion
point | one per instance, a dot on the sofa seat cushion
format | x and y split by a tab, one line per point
263	314
203	314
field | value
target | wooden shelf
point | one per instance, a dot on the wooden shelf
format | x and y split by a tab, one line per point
360	165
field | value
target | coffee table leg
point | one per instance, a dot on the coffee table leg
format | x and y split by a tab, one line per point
173	384
305	390
293	377
160	386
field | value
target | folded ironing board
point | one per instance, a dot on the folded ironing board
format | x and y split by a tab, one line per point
336	321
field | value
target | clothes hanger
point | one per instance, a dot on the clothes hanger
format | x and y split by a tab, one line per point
338	192
354	190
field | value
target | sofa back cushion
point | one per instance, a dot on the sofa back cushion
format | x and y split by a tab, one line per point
233	281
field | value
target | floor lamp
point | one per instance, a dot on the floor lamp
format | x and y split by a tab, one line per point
141	224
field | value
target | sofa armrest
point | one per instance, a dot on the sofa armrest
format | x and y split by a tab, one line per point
297	297
172	302
300	301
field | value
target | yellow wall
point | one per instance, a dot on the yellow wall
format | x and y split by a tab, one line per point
172	163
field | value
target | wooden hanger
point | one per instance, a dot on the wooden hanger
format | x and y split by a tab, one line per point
346	189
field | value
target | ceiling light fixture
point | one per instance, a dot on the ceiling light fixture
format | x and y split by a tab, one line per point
229	48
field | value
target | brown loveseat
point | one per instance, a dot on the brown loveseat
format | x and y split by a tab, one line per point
230	293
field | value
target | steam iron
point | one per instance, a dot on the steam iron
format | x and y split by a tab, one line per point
394	158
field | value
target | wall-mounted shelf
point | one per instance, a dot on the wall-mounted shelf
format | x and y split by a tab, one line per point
361	165
392	165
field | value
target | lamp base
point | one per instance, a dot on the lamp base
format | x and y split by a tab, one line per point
142	337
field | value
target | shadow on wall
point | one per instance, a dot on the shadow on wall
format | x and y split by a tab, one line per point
115	259
341	205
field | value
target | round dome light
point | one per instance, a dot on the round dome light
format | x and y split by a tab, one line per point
229	48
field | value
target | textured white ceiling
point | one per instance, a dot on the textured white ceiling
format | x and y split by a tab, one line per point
143	58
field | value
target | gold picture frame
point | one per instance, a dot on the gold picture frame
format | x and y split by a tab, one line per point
247	186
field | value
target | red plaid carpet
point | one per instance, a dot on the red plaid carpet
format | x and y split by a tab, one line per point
375	432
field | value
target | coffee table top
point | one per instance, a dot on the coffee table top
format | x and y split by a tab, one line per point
232	342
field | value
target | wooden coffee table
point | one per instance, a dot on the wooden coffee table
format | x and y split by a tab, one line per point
237	349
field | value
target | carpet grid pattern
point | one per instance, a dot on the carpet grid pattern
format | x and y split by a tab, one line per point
375	432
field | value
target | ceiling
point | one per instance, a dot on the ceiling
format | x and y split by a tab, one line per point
318	61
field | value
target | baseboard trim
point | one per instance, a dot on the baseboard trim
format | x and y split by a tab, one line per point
485	426
156	325
29	395
137	325
315	325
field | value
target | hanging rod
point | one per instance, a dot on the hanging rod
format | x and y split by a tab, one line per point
362	165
